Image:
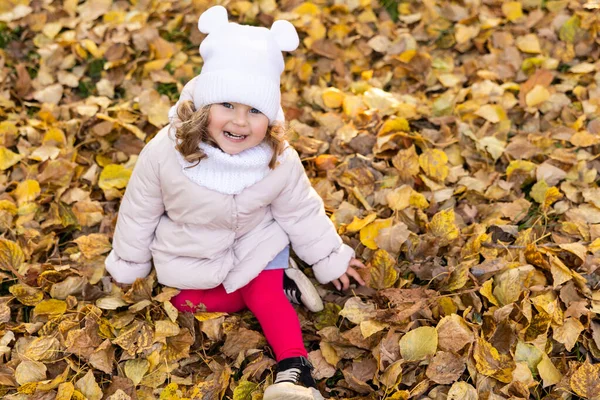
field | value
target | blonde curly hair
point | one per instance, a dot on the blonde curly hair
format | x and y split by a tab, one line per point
192	129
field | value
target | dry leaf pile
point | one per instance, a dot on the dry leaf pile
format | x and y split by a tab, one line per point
455	145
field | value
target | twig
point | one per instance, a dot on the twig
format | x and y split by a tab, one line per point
515	246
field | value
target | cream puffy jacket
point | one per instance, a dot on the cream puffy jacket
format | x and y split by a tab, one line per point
200	238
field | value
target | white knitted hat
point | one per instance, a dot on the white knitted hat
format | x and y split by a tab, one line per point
242	64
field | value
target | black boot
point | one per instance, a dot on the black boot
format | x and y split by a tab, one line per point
293	381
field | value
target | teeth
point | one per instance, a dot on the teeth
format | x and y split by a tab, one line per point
231	135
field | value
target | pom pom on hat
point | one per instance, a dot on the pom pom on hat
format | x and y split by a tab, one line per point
285	35
213	19
242	63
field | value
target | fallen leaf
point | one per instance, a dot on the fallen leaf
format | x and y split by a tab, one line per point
419	343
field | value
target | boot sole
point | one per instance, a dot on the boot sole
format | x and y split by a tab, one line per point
310	296
288	391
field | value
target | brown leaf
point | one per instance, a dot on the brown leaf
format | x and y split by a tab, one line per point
454	333
241	341
322	368
445	368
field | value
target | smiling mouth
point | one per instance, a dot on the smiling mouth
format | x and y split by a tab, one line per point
234	137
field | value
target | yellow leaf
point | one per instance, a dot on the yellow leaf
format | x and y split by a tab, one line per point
30	371
305	72
114	176
8	206
584	139
51	307
434	164
207	316
529	44
491	363
371	327
164	329
316	30
11	255
353	105
537	96
512	10
407	55
570	28
560	272
243	391
486	291
418	200
519	165
528	353
55	136
170	392
595	246
493	146
568	333
27	190
383	273
369	233
508	286
88	386
65	391
136	369
399	198
307	8
333	98
44	348
442	225
8	158
583	68
586	381
462	391
394	125
406	162
357	311
26	295
392	375
90	46
493	113
114	17
551	196
538	191
464	33
93	244
357	224
459	277
419	343
548	372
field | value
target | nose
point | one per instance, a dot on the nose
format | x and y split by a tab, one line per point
240	117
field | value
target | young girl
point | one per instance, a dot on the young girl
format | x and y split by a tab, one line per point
217	203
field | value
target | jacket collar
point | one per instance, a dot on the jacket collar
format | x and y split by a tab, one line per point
226	173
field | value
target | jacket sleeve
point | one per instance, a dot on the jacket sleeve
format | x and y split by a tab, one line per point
300	212
139	214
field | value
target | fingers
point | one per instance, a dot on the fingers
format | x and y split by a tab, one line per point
345	281
353	273
355	262
336	283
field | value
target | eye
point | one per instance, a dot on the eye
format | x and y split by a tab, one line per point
227	105
255	111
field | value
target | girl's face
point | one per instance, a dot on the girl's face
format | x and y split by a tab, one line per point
236	127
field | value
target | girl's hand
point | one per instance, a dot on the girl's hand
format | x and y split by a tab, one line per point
343	282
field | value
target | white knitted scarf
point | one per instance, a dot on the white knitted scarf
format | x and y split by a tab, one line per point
226	173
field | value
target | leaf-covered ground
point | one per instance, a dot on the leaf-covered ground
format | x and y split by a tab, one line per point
455	145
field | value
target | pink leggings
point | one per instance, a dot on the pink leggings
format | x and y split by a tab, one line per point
265	298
